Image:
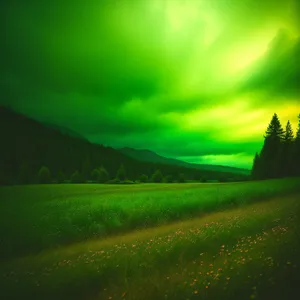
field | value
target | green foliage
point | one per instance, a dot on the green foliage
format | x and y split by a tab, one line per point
128	182
121	173
60	177
114	181
169	179
95	174
44	175
275	129
143	178
157	176
100	175
76	177
280	154
103	175
256	172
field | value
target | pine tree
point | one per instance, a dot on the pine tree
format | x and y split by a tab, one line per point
296	156
286	152
275	129
269	156
255	172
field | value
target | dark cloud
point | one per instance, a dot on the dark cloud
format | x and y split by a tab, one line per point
126	73
278	72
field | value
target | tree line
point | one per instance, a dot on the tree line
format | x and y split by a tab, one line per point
280	154
99	175
30	151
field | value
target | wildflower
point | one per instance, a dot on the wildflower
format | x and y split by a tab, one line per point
195	292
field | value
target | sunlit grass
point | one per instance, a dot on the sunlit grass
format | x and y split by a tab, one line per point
238	253
54	215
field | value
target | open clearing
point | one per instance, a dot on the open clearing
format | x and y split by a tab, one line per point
178	241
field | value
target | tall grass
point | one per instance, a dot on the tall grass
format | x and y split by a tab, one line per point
243	253
35	218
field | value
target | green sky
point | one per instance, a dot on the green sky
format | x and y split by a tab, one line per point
195	80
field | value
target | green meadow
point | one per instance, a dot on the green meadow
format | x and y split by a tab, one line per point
150	241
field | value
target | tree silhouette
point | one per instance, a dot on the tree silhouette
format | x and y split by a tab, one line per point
44	175
103	175
286	153
121	173
169	178
76	177
270	152
157	176
60	177
143	178
256	172
296	156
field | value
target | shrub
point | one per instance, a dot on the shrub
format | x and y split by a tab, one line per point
157	176
143	178
102	175
76	177
128	182
95	174
169	178
113	181
60	177
44	175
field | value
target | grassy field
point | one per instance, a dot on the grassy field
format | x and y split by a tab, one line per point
172	241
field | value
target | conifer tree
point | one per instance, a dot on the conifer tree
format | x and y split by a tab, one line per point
270	152
286	152
255	172
296	156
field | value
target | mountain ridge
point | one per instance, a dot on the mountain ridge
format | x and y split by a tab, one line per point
151	156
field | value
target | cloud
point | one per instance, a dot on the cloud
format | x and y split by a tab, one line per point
184	78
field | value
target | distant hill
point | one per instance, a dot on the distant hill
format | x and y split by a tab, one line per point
65	130
27	145
151	156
